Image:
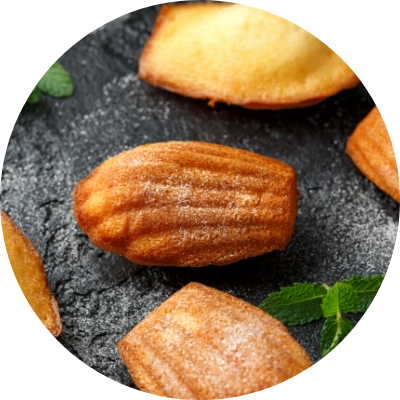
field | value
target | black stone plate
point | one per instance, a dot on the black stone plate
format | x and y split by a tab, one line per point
345	225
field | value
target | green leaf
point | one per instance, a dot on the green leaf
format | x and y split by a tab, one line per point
342	298
56	82
34	97
297	304
366	289
335	329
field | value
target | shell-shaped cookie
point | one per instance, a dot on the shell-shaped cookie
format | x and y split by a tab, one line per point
371	150
205	344
240	55
31	276
188	204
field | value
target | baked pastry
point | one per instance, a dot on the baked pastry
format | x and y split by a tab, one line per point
188	204
31	276
205	344
240	55
371	150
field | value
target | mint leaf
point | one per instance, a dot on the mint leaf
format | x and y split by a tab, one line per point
366	289
341	298
34	97
333	332
56	82
297	304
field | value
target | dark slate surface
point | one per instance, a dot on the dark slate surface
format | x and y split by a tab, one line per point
345	224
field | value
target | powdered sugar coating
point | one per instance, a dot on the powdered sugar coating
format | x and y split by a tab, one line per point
205	344
188	204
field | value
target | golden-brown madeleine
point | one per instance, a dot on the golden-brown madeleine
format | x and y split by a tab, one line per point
31	276
371	150
240	55
205	344
188	204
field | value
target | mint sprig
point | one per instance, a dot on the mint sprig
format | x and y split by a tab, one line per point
340	298
334	330
366	289
34	97
56	82
306	302
296	305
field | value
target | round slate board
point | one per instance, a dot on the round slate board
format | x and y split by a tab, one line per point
345	225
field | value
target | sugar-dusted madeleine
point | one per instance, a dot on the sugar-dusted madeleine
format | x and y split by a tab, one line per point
205	344
31	276
371	150
240	55
188	204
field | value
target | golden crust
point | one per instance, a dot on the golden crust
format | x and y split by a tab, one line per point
240	55
31	276
188	204
371	150
205	344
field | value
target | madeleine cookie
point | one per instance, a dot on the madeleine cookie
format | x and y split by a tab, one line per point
188	204
205	344
31	276
371	150
240	55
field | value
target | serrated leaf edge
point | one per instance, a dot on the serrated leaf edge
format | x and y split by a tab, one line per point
339	331
339	309
287	288
374	290
365	279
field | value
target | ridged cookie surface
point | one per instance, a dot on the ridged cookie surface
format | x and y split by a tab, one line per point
240	55
205	344
371	150
188	204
